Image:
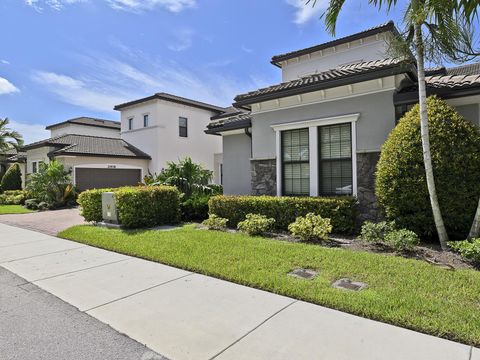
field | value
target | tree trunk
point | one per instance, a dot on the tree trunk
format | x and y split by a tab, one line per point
475	230
427	158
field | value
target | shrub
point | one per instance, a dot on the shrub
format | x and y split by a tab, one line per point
12	180
195	208
469	249
215	223
256	224
142	206
402	240
31	204
375	232
401	186
13	197
340	210
311	227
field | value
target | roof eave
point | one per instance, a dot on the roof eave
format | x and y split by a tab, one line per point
242	124
449	93
60	153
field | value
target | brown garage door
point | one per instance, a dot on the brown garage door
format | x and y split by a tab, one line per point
90	178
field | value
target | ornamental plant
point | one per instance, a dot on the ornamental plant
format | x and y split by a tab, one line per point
215	222
311	227
469	249
12	180
402	240
256	224
401	185
375	232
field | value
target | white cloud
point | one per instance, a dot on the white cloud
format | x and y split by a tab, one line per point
141	5
183	40
6	87
246	49
5	62
30	132
39	5
306	11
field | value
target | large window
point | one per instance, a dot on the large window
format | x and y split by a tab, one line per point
335	160
182	127
295	162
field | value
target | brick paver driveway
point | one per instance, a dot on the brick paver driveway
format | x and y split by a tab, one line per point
47	222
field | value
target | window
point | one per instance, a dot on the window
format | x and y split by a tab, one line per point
130	124
400	110
34	167
182	127
295	162
335	160
145	120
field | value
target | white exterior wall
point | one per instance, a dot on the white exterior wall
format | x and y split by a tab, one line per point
161	139
84	130
367	49
39	154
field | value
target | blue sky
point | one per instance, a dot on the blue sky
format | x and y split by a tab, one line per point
65	58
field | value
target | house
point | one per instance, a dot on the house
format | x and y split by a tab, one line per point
169	128
319	132
93	150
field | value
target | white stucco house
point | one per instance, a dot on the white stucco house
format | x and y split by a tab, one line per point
319	131
152	131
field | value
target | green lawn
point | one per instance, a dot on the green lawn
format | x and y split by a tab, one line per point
403	292
13	209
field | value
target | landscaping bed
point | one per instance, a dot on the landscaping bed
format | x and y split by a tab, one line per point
405	292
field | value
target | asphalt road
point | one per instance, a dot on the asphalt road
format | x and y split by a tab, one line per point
37	325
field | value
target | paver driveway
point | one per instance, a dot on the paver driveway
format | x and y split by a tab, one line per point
183	315
47	222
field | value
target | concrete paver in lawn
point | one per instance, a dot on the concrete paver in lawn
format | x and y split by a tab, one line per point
305	331
63	262
195	317
104	284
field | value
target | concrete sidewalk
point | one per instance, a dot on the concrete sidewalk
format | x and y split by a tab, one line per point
183	315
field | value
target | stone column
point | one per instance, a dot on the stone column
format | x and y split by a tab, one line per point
264	177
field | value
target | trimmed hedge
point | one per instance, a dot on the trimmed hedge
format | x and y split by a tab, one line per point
144	206
285	210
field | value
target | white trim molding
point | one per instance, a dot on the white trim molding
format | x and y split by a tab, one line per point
312	126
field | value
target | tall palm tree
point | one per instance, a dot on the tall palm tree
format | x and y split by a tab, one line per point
447	35
8	137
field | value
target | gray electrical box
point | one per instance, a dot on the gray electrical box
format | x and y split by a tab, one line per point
109	208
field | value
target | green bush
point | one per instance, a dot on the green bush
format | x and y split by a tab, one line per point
340	210
13	197
90	202
402	240
142	206
469	249
311	227
195	208
256	224
12	180
375	232
32	204
215	223
401	186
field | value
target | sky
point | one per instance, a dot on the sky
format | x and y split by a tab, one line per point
61	59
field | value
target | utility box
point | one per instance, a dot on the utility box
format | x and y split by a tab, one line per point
109	208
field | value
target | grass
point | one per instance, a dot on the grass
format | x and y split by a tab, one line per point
13	209
404	292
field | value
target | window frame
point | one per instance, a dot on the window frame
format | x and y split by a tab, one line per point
35	166
180	127
146	120
130	123
283	162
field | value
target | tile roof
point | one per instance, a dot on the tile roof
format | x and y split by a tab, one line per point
389	26
342	75
234	122
89	146
176	99
12	155
84	120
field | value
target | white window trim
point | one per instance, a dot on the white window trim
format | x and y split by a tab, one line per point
312	126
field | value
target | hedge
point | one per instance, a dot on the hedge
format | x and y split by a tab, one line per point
285	210
137	207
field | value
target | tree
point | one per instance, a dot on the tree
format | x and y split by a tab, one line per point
9	138
12	180
448	35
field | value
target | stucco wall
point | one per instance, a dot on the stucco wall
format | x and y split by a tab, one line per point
161	139
84	130
470	112
236	164
377	119
39	154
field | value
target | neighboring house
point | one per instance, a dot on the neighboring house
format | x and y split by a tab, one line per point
93	150
170	128
320	131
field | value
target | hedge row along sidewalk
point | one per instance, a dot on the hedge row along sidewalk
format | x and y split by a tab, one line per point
404	292
340	210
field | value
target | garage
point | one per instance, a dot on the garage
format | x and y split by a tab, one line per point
97	178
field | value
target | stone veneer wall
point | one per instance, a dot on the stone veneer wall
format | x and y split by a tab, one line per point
368	206
264	177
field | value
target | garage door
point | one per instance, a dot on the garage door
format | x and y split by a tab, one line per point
90	178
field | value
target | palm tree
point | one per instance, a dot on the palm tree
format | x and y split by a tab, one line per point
448	35
9	138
